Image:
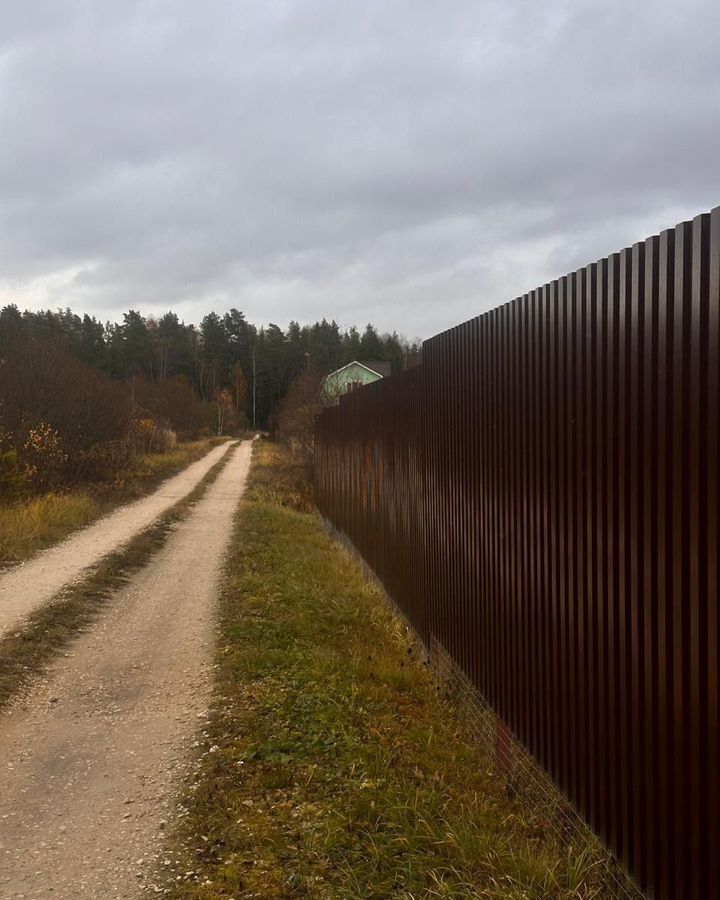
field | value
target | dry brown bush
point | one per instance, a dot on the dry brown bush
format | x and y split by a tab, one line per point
56	412
176	404
295	418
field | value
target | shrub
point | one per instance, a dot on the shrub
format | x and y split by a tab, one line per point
102	462
295	420
45	459
148	436
175	403
12	478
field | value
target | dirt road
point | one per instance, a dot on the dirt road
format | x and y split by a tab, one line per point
89	762
27	587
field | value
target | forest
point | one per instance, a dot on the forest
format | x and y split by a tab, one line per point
78	396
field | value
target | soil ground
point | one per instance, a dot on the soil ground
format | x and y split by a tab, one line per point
92	756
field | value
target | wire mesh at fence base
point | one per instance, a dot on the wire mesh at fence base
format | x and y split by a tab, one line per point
526	783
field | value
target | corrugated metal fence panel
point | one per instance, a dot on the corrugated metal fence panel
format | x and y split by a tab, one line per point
541	498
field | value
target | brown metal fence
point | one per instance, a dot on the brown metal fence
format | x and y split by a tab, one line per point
540	498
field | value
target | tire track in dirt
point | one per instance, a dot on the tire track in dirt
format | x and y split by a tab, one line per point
29	586
93	757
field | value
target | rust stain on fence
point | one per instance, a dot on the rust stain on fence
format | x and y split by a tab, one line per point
540	498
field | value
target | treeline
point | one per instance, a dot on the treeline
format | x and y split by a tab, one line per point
78	397
222	353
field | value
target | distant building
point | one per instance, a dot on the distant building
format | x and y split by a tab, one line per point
351	376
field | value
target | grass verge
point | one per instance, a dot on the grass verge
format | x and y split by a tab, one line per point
34	524
332	767
26	652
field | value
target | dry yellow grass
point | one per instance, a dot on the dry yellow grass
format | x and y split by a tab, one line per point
37	523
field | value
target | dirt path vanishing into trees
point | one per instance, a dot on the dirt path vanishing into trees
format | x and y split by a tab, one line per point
92	757
28	586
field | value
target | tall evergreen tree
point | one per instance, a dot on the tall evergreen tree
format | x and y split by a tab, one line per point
215	356
130	347
93	349
271	370
296	352
350	346
324	346
371	347
171	347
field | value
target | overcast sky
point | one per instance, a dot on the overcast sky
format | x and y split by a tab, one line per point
405	162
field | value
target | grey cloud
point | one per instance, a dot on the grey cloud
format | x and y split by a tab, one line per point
408	162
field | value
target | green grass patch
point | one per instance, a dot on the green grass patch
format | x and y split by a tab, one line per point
332	767
33	524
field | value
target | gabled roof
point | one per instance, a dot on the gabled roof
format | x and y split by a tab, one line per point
383	369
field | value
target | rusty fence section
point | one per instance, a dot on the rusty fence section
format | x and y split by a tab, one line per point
540	499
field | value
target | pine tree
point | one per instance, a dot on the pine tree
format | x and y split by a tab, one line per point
371	347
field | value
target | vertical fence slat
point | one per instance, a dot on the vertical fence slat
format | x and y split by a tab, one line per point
652	487
712	834
664	746
599	530
679	551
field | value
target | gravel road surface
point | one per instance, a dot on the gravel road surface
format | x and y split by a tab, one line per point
90	761
25	588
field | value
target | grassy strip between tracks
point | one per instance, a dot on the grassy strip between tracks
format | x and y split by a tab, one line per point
332	767
26	652
35	523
